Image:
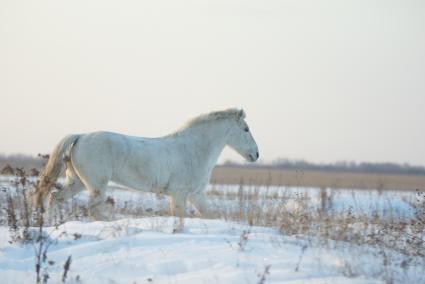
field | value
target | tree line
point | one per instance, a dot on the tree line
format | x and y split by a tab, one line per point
340	166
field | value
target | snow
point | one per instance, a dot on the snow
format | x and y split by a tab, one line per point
145	250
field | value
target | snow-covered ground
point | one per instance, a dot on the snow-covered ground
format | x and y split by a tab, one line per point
145	250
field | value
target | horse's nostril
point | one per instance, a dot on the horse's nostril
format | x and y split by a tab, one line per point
258	155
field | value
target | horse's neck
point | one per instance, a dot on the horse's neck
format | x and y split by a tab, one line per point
207	141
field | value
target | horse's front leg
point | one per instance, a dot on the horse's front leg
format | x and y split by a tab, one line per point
178	209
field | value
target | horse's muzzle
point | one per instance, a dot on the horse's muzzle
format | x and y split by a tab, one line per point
254	157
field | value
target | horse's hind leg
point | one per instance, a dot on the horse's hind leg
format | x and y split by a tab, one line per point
71	187
97	200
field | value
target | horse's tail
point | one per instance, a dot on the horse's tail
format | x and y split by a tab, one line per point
50	174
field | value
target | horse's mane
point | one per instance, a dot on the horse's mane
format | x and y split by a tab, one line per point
213	116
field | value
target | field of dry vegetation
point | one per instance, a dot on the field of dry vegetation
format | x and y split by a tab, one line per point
292	178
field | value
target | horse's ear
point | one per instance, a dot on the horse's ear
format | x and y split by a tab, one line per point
241	114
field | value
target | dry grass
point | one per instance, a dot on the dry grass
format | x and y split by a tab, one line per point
391	241
264	176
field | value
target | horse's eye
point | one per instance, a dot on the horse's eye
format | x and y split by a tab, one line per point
246	129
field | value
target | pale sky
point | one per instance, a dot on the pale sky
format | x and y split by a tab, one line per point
320	80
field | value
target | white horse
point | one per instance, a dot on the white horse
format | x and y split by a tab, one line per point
179	164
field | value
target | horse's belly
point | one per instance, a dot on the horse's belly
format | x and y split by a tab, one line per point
139	179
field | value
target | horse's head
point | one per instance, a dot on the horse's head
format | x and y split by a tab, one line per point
240	138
